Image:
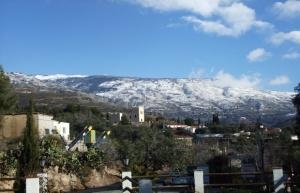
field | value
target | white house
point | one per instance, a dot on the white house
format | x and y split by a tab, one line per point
137	115
14	125
63	129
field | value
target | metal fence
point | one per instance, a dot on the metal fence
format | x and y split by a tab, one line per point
199	182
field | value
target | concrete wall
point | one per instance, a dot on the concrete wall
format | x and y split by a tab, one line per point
12	126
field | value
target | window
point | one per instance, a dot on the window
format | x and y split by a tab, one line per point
47	132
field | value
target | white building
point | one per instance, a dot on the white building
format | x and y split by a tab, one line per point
137	115
115	118
14	125
63	129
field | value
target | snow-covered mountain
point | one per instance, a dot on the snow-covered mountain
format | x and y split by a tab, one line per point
173	97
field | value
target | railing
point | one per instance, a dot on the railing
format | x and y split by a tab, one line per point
268	182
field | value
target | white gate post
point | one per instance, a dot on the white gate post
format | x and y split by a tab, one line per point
126	183
278	180
199	181
32	185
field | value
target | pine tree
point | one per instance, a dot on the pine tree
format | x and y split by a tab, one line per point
296	102
28	165
30	153
7	94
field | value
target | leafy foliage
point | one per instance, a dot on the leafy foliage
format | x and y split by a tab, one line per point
189	121
148	149
53	151
8	162
94	158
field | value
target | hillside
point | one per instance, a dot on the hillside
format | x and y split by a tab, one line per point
197	98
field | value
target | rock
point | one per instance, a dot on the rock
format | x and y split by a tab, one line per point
61	182
101	178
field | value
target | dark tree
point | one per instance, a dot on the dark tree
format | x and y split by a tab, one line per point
124	120
216	120
7	94
189	121
296	102
28	165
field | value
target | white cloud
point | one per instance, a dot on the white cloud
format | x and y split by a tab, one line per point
224	79
258	54
280	80
197	73
221	17
203	7
291	55
287	9
281	37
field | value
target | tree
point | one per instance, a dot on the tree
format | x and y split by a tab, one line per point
30	152
216	120
189	121
7	94
125	120
28	163
29	160
149	149
296	102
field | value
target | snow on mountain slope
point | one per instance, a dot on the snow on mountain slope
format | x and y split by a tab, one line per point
57	76
174	97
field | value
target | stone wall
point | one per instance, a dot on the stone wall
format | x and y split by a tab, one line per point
62	182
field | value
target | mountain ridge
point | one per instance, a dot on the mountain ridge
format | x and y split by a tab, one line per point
174	97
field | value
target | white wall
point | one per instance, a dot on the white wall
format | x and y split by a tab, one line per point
44	124
63	129
141	114
137	115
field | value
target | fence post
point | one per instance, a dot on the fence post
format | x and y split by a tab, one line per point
32	185
199	181
43	180
145	186
126	183
278	180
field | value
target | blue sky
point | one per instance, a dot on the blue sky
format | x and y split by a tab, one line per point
238	41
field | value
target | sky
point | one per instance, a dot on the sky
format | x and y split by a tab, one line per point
250	43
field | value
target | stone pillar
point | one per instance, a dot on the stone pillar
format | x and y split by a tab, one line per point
126	183
145	186
32	185
278	180
199	181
